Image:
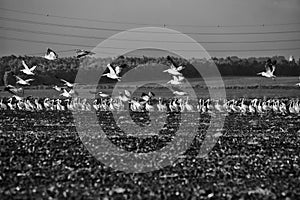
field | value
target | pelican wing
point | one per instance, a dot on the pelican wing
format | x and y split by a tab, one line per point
25	65
65	81
268	68
180	68
28	80
111	70
273	68
33	68
127	93
19	79
118	70
175	78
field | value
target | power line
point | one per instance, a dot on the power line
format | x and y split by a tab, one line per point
147	24
141	40
139	31
184	50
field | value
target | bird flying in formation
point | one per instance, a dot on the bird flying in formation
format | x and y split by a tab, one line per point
113	73
270	69
67	83
23	82
81	53
50	54
27	70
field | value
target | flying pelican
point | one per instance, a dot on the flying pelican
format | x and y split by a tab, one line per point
113	74
179	93
27	70
68	84
65	94
82	53
101	94
58	89
13	90
270	69
175	81
147	97
50	54
23	82
174	65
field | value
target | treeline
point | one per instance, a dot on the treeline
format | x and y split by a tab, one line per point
49	72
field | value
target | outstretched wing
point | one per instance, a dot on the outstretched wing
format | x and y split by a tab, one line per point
175	78
173	63
64	81
25	65
180	68
118	70
111	70
273	68
19	79
268	67
33	68
28	80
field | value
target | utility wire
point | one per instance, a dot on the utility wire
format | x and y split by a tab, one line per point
141	40
145	24
140	31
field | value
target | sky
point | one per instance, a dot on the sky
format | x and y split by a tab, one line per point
109	17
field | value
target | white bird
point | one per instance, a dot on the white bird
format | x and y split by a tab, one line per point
68	84
23	82
179	93
270	69
65	94
13	90
174	69
58	89
101	94
50	54
175	81
291	59
147	97
27	70
173	72
82	53
113	74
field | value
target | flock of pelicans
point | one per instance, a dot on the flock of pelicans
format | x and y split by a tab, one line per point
147	102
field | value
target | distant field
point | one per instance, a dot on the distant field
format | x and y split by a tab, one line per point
235	87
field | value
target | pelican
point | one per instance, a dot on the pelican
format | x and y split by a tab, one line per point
175	81
147	97
23	82
50	55
270	69
179	93
58	89
13	90
82	53
65	94
68	84
113	74
27	70
174	68
101	94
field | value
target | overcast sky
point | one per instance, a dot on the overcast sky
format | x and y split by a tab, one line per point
190	16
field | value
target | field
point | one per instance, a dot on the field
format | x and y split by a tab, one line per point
255	157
